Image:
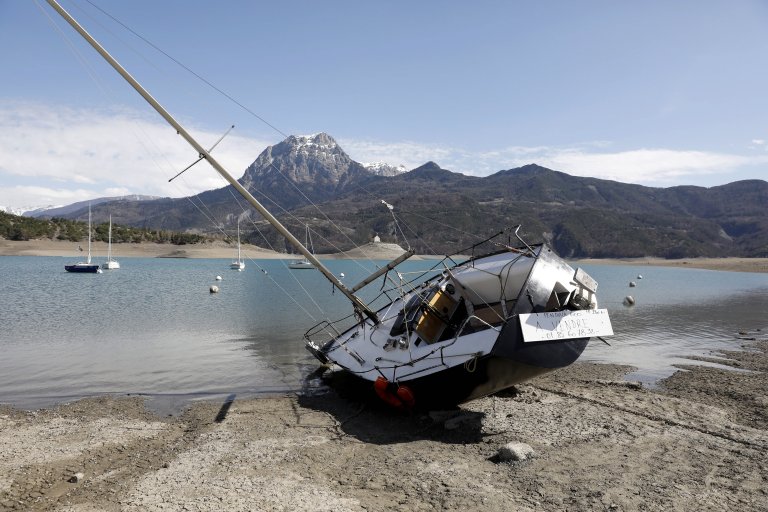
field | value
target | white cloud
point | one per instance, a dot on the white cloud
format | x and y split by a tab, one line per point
51	154
56	155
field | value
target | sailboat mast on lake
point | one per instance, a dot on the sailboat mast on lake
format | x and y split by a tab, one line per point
85	267
305	263
479	324
111	263
238	264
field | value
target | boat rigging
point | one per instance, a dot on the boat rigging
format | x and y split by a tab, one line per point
492	320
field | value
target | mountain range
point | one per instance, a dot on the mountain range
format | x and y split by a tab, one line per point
311	181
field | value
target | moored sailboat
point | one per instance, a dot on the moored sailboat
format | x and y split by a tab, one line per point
85	267
304	263
480	325
238	264
111	263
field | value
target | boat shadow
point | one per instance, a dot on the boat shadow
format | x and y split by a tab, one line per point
361	414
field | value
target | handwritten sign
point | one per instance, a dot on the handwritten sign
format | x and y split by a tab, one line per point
562	325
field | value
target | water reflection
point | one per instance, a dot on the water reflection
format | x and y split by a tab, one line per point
679	314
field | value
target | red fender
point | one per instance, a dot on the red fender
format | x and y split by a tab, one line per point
402	398
382	389
405	394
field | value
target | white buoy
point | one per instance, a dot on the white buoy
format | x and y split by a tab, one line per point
341	274
632	284
218	278
214	289
629	300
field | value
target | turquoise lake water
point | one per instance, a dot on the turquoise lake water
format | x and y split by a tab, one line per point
153	328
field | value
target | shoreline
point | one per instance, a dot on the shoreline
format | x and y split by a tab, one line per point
697	442
222	250
728	264
214	250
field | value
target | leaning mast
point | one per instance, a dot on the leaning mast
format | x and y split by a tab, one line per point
356	302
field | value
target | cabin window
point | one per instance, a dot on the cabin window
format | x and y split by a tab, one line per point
485	316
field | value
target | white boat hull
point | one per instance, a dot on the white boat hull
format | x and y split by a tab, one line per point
457	336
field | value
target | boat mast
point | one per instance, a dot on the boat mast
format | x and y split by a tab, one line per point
89	234
238	241
356	302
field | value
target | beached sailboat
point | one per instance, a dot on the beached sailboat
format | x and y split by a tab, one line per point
85	267
304	263
238	264
476	326
111	263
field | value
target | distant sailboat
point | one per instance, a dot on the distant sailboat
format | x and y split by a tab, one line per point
238	264
85	266
305	263
111	264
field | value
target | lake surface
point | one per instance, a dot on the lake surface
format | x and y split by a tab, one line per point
153	328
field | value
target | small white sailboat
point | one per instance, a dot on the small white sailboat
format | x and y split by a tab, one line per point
238	264
85	267
304	263
111	263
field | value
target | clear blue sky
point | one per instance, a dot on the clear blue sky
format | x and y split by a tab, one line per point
658	93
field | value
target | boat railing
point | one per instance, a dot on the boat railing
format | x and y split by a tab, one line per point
326	331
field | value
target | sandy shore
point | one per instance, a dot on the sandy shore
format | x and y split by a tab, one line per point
370	251
725	264
698	442
221	250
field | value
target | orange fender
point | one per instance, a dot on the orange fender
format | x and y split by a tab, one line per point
405	394
382	389
402	398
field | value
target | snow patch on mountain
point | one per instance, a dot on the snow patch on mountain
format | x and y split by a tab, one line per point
384	169
21	210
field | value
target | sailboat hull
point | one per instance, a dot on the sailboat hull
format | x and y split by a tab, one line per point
458	336
450	387
83	268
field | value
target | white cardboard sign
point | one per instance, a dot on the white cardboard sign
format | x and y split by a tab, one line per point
561	325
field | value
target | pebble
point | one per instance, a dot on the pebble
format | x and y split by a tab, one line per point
76	478
515	452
